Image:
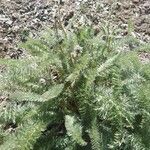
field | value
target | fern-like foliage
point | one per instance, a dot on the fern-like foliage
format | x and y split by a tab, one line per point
75	92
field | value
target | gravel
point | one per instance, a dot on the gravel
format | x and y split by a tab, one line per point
22	18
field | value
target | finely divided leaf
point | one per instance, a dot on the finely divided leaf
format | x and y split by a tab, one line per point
53	92
74	129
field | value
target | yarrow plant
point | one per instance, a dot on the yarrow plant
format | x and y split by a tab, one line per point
75	91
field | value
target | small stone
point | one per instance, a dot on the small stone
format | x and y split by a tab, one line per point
9	22
15	28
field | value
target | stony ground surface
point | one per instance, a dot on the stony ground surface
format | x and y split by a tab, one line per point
20	18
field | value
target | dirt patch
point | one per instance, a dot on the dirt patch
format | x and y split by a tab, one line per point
21	18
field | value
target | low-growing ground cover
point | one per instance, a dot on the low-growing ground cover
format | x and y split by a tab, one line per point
76	90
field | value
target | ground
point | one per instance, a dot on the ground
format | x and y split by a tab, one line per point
20	18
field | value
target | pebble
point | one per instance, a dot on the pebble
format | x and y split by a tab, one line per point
9	22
